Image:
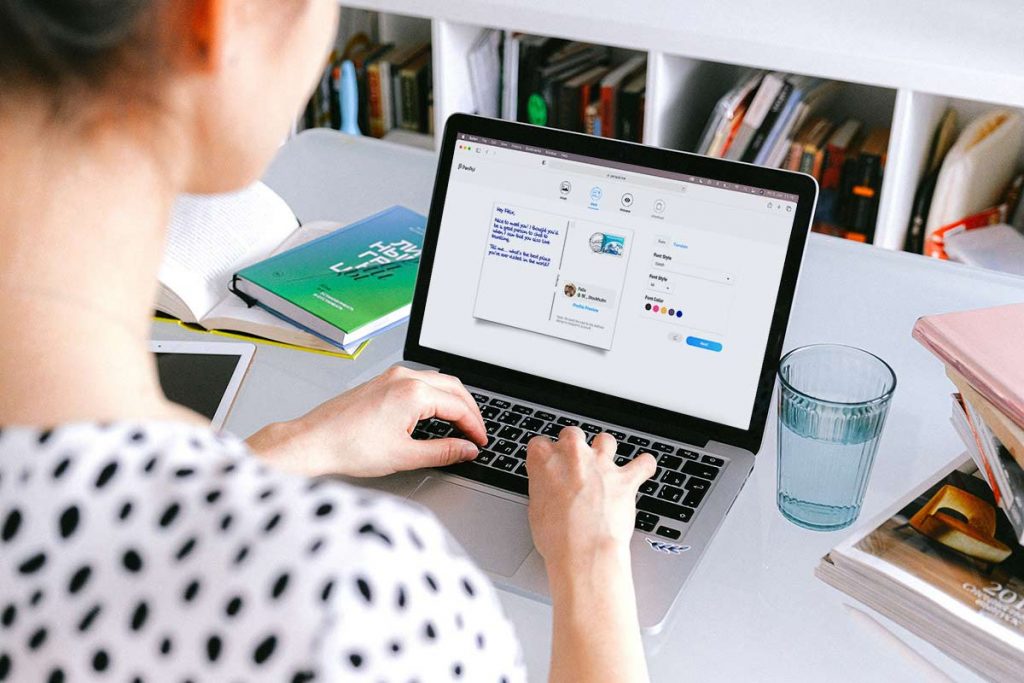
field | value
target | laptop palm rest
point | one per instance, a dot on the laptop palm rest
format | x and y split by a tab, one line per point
476	520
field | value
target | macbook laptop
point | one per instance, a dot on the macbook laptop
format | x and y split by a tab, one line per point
573	280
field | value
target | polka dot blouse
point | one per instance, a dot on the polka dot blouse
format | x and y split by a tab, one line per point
163	552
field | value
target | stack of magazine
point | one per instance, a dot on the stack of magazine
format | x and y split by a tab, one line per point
947	563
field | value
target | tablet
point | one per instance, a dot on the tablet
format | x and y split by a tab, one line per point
203	376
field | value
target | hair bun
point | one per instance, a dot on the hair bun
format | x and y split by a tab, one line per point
60	37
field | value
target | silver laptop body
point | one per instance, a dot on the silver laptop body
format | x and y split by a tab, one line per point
484	504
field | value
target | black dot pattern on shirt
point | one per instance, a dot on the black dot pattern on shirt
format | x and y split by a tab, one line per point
11	525
132	561
141	570
68	521
106	474
79	579
265	649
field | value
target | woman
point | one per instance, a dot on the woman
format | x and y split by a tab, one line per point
134	543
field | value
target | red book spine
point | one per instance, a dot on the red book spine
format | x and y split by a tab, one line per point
607	112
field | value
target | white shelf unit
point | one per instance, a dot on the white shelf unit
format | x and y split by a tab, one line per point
900	63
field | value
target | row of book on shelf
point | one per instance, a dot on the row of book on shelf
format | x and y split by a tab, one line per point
534	79
240	264
947	563
780	120
968	206
392	89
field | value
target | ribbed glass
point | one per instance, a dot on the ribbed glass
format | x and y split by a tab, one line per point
833	401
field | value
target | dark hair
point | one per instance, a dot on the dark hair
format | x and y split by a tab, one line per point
55	43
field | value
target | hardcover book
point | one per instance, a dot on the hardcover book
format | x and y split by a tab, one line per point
347	285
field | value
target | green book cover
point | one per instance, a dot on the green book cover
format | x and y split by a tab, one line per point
346	285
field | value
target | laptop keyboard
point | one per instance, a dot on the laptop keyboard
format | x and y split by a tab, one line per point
666	502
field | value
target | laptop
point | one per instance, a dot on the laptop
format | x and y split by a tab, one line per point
643	292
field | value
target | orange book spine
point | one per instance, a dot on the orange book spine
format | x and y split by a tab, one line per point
607	112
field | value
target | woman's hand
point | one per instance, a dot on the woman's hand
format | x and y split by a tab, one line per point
581	502
581	512
366	432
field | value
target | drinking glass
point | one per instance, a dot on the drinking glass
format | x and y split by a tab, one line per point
833	401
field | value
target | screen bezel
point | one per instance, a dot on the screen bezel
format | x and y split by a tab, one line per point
243	353
570	398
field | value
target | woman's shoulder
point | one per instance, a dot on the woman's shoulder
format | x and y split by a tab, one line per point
235	563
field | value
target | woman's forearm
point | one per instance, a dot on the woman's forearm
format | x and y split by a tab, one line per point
596	633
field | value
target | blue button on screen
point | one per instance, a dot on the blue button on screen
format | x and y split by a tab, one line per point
704	343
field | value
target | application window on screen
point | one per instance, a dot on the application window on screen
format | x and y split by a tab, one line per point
652	286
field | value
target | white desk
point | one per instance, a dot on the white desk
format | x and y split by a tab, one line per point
753	609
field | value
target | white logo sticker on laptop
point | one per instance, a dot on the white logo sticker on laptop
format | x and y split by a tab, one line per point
670	548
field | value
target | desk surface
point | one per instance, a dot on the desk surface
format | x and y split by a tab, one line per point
753	609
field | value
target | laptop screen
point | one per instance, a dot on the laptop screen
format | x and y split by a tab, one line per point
640	283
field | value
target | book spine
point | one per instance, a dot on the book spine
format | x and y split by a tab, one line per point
608	97
569	108
761	135
628	124
410	102
373	86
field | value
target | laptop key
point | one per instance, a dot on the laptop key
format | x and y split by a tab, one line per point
439	429
531	424
505	447
509	432
668	532
663	447
521	453
687	453
671	494
491	426
490	412
621	460
659	472
590	428
521	470
510	418
712	460
699	470
697	484
694	497
525	438
552	430
639	441
505	462
541	415
492	476
567	421
619	436
484	457
665	508
645	521
649	487
624	449
522	410
672	462
673	478
480	398
500	403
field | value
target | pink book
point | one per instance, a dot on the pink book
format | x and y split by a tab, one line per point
986	346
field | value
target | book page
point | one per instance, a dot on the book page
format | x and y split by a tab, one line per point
211	237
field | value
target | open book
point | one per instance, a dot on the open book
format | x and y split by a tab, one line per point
209	239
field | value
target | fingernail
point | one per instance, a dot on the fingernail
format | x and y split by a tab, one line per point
469	451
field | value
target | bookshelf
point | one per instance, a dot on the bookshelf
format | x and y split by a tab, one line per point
930	55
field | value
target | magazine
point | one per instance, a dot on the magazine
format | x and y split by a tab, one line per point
947	566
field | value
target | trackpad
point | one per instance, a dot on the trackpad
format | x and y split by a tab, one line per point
494	531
